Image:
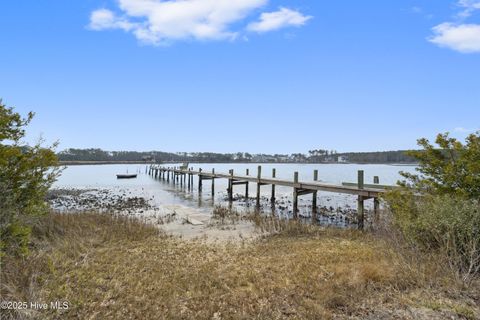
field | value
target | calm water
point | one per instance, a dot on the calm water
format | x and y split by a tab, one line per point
163	193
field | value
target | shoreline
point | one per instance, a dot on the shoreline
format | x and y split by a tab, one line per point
80	163
177	218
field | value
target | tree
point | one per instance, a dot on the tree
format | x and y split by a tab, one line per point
439	209
26	173
451	168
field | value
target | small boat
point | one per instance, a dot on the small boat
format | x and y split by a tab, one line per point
126	176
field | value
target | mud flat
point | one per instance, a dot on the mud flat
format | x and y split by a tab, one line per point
176	220
189	222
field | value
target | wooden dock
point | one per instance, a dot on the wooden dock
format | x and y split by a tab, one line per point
363	191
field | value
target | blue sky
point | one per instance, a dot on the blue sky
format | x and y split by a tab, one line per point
251	75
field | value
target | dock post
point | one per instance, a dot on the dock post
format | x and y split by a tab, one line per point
295	195
360	202
259	176
189	174
246	187
200	179
314	197
230	186
274	175
376	203
213	183
168	174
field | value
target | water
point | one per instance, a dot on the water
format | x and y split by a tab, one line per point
161	193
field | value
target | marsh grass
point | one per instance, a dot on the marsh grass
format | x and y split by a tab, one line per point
114	268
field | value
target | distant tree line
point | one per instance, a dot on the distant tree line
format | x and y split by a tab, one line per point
401	156
313	156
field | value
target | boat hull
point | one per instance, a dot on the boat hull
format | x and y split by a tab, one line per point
126	176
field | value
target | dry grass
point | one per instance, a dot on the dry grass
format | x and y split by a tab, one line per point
114	268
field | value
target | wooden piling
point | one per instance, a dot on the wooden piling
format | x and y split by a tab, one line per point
213	183
274	175
376	203
295	195
246	186
230	186
200	179
314	198
360	201
259	176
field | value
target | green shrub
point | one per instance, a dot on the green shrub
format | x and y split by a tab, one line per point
444	223
451	167
26	173
438	209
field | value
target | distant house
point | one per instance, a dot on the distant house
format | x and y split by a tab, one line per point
263	158
342	159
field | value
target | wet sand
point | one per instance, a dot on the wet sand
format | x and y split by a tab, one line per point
189	222
177	220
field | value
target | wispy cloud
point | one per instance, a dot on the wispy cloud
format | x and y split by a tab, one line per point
465	130
417	9
459	36
105	19
282	18
468	7
160	22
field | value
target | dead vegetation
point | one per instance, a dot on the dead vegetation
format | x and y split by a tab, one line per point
114	267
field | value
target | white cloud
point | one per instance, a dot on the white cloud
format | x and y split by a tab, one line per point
469	6
105	19
459	35
464	38
282	18
158	21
